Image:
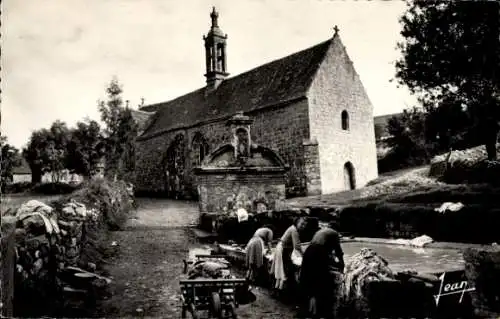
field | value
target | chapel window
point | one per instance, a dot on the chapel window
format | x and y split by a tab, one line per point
345	120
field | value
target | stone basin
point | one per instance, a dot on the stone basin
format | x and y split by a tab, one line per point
399	257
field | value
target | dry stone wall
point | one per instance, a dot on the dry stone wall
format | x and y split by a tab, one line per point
8	261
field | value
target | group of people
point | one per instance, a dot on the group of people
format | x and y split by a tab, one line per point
322	258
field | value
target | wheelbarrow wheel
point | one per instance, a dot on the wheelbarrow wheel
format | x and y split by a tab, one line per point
216	305
232	311
313	307
194	313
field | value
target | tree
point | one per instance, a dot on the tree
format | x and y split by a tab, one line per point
408	142
120	131
85	148
379	131
47	151
9	160
56	151
451	52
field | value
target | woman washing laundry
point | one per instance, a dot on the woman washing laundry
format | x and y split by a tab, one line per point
255	251
318	282
282	266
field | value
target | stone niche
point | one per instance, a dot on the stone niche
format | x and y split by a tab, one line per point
241	174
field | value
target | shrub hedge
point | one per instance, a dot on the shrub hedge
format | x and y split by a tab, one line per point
114	203
474	223
55	188
484	171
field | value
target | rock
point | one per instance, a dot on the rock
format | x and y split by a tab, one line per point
91	266
482	269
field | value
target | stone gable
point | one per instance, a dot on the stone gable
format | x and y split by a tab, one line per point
337	88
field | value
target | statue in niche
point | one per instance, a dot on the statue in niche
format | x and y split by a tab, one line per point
242	144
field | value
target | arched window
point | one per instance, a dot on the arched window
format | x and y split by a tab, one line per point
199	148
345	120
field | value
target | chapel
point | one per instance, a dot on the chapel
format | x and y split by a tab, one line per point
309	107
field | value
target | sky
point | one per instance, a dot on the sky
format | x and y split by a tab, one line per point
59	55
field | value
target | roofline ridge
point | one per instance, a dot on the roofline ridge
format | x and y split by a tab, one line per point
245	72
278	59
311	80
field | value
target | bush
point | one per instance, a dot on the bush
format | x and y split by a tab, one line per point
474	223
484	171
55	188
110	198
17	187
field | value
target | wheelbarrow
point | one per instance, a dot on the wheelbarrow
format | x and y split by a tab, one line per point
216	296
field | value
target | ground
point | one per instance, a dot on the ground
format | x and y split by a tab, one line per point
146	272
396	182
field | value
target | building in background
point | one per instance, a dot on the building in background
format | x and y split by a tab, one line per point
309	107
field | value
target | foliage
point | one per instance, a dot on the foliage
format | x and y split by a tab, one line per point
379	131
484	171
413	214
408	143
120	132
451	54
54	188
20	187
85	148
110	198
10	158
47	151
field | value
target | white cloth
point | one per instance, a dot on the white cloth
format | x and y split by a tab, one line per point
277	267
448	206
242	215
296	258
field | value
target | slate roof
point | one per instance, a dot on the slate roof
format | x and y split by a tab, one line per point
141	118
276	82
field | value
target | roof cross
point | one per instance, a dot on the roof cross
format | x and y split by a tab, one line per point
336	29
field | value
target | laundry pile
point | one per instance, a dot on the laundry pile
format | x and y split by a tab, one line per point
210	269
361	269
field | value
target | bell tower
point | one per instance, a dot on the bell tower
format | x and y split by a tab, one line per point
215	54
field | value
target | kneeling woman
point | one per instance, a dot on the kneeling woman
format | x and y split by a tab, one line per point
317	274
255	251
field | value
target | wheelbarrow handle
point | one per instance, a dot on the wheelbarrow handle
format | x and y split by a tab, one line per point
185	266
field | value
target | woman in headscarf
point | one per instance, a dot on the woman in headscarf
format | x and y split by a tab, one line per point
255	251
282	266
317	281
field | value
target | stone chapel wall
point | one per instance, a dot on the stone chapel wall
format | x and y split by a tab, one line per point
337	87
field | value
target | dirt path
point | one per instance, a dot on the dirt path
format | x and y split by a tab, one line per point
146	272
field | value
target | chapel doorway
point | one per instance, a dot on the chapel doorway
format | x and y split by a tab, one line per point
174	168
349	177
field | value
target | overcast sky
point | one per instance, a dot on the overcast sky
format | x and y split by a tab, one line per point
58	55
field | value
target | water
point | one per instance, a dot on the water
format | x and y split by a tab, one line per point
400	258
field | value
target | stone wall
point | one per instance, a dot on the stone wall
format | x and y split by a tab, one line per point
8	261
482	269
217	190
281	128
337	87
312	167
